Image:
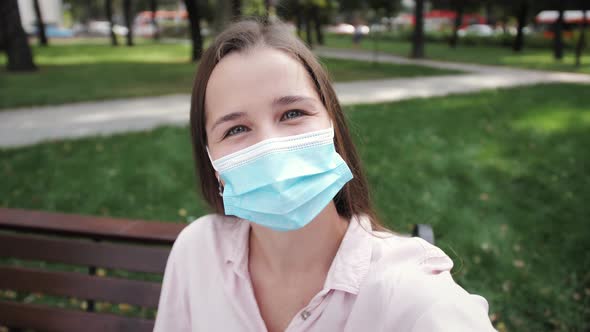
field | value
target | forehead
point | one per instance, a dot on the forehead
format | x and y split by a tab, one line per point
245	81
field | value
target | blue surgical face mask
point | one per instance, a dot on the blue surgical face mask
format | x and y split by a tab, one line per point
283	183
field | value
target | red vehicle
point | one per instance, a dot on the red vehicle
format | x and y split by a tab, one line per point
572	21
143	21
439	19
146	16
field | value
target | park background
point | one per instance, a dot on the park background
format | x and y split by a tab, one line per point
498	165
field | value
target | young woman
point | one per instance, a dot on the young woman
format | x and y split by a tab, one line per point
294	244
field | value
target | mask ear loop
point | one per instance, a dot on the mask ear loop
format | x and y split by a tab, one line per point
332	127
209	154
219	186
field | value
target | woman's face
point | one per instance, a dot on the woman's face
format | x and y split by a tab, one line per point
256	95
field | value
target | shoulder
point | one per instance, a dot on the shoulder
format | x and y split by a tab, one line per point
397	260
419	291
398	257
395	250
208	233
413	268
207	227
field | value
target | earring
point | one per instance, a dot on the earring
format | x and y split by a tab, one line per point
220	188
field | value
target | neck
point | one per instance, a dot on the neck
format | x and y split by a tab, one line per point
310	249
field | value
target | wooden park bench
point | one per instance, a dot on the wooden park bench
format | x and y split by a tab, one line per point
91	242
94	242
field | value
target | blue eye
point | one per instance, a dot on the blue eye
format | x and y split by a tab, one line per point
292	114
235	130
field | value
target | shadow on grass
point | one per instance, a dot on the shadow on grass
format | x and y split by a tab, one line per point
57	84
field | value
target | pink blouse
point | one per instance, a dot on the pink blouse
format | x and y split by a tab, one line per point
375	283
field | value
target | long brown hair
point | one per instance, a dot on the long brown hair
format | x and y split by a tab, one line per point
353	198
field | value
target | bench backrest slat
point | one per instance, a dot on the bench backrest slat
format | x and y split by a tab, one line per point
81	286
50	319
84	252
89	226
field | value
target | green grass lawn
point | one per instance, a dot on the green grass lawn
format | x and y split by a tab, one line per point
91	70
488	55
502	176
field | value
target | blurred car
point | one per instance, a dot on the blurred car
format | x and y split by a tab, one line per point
144	30
148	30
377	27
526	30
346	29
103	28
479	30
53	31
170	23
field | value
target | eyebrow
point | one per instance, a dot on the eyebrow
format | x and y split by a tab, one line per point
286	100
281	101
228	117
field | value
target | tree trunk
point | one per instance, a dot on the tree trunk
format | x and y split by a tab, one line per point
389	8
298	18
40	24
418	36
266	9
13	38
582	39
458	23
308	35
154	9
194	19
223	14
109	13
319	36
558	34
236	8
521	17
128	21
490	19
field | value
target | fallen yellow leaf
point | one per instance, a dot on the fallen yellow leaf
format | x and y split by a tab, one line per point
124	307
519	263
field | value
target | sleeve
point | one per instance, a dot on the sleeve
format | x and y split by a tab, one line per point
173	310
448	307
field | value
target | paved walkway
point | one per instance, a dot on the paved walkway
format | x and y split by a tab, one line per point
32	125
